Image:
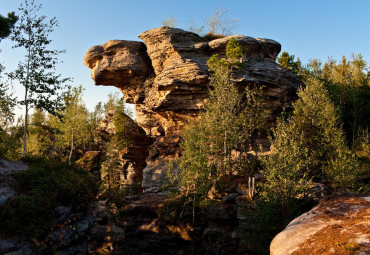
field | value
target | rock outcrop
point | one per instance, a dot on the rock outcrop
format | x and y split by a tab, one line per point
132	158
338	225
167	79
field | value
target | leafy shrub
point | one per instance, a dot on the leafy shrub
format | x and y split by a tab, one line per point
43	187
310	145
263	223
184	209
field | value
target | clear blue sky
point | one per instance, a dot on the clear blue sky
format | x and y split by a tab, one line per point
307	29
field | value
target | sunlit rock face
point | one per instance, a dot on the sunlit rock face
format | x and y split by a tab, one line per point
167	79
338	225
123	64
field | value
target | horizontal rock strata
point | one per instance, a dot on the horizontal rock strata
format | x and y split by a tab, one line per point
167	79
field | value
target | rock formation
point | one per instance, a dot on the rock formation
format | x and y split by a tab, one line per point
167	79
338	225
132	157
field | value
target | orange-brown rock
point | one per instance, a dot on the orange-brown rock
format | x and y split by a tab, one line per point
132	158
167	78
119	63
338	225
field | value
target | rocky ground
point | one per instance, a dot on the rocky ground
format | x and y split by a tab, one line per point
340	224
6	169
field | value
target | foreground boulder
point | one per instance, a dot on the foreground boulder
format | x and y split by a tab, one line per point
167	79
338	225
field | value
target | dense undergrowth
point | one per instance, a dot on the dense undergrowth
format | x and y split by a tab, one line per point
43	187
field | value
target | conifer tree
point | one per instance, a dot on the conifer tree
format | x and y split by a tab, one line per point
288	62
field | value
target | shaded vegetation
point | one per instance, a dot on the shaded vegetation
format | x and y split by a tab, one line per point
43	187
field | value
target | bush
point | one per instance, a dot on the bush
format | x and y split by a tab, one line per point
263	223
218	144
43	187
310	146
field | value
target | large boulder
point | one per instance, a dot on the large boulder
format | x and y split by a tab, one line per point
338	225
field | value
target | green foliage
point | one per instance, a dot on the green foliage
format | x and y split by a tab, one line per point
233	50
218	143
74	127
37	73
265	220
287	61
234	54
309	145
7	104
349	88
121	122
38	136
7	24
111	164
43	187
11	142
214	62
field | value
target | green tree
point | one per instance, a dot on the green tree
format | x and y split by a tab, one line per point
349	87
38	134
37	73
233	50
288	62
74	123
218	143
111	164
309	145
7	24
7	104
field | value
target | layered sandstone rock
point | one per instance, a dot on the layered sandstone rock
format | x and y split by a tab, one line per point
131	158
338	225
167	79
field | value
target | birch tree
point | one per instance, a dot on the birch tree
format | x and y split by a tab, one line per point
37	72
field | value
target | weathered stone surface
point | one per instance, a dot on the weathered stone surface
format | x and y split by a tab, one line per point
162	150
170	88
132	158
120	63
338	225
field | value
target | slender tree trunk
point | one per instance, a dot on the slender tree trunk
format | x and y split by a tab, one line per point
26	97
72	146
25	125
